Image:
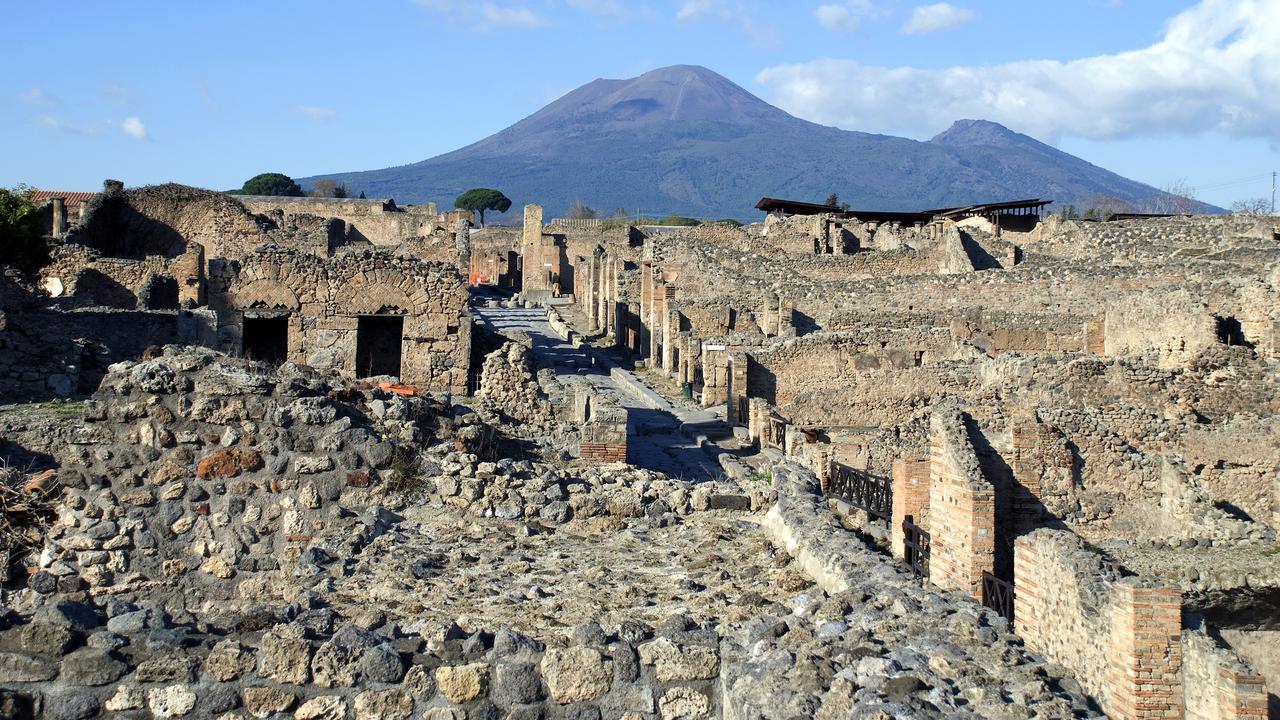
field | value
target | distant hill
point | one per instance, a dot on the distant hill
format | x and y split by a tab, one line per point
685	140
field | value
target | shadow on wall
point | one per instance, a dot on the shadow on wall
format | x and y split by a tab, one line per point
117	229
1018	511
804	324
99	289
978	255
761	381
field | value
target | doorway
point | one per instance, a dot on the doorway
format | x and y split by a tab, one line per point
266	338
379	339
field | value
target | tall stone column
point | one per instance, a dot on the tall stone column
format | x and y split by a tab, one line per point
534	276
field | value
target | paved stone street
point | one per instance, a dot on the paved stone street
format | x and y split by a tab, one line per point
662	437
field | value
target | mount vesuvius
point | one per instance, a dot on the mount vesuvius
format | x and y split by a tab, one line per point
686	140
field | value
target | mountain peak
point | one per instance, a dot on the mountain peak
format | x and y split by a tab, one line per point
979	132
680	93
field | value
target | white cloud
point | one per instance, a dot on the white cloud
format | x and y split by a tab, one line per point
315	113
57	123
728	12
939	16
1217	68
37	97
497	16
134	128
484	16
601	8
845	16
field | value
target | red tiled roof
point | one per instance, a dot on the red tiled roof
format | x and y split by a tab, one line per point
73	198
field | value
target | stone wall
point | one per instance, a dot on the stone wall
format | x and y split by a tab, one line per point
380	222
50	353
1216	685
1173	325
508	383
163	219
324	299
604	430
780	372
1123	637
152	283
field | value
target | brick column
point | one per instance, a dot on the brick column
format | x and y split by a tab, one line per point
1026	598
962	510
1144	679
910	498
1241	696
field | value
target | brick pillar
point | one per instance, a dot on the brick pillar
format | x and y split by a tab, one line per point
962	510
1026	598
1241	696
910	499
1144	678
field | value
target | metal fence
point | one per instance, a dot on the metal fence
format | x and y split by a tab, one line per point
998	595
916	542
862	490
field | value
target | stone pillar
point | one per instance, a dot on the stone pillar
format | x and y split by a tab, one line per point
786	318
910	499
670	333
534	276
59	225
1145	679
604	435
1275	502
737	390
588	295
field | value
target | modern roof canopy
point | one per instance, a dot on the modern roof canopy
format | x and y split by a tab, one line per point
795	207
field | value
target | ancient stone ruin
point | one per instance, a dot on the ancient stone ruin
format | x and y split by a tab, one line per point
320	458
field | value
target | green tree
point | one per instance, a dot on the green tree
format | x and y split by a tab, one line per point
581	211
22	241
834	201
271	184
478	200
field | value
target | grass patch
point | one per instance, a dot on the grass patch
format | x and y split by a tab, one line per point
62	408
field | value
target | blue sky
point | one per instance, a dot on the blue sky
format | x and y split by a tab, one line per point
210	94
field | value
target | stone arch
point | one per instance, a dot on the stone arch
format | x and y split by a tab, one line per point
376	299
265	294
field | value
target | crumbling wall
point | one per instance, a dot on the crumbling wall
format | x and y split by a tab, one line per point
1122	637
163	219
46	353
325	297
379	222
507	381
1216	685
153	283
780	372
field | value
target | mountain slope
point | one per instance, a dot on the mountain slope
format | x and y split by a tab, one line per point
685	140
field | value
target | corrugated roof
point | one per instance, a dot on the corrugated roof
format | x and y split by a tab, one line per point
73	198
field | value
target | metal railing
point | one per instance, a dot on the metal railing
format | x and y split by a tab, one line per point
862	490
998	595
916	542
